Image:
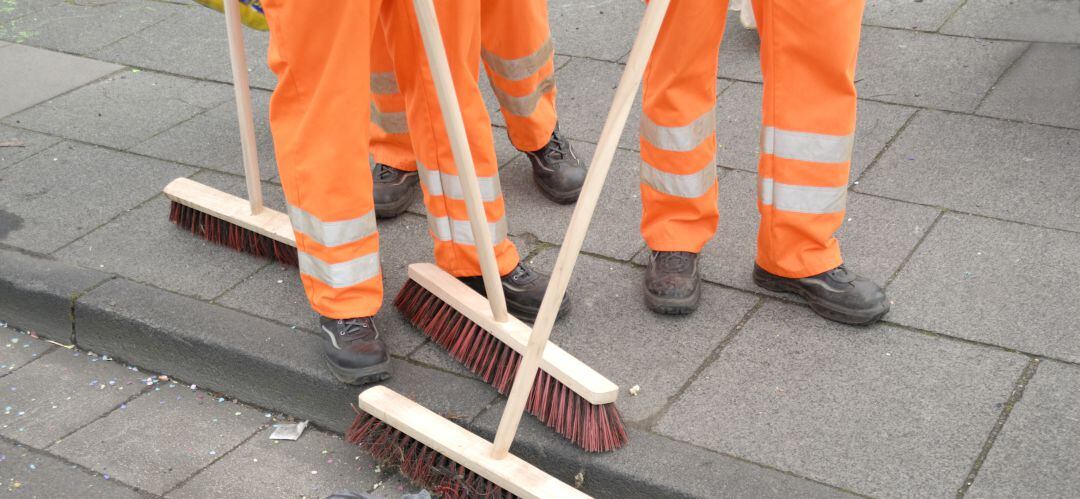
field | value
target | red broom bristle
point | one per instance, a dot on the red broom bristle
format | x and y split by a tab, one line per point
225	233
595	428
420	463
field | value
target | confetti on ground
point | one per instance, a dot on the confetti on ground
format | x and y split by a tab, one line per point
634	390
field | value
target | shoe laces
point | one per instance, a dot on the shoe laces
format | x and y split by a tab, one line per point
384	172
522	275
359	327
841	274
673	261
557	149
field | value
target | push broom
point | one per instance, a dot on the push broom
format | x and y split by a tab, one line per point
428	448
243	224
579	401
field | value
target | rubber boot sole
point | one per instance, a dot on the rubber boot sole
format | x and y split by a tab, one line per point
827	310
674	306
361	375
386	211
564	197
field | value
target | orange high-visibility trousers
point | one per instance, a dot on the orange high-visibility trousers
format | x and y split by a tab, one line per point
808	52
319	116
519	58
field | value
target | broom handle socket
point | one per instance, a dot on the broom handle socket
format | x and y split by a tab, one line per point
579	223
459	145
243	105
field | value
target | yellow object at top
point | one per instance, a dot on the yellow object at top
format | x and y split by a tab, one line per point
251	12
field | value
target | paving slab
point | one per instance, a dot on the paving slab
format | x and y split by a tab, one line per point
1002	169
191	433
192	43
83	27
143	245
37	294
996	282
246	356
1043	87
878	411
651	466
17	145
212	140
930	70
25	472
909	14
1033	20
70	189
598	333
602	29
615	229
586	88
740	51
877	235
30	75
1035	454
21	8
739	128
124	109
18	349
61	392
316	465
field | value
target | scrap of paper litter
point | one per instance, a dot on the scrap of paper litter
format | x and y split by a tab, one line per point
288	431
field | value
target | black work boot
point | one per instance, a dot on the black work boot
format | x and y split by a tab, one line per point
557	171
672	282
838	294
394	190
524	289
354	352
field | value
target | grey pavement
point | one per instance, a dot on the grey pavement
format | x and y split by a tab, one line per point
78	424
963	202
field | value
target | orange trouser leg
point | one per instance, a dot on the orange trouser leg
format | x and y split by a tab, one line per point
520	62
678	128
455	249
390	141
808	52
319	119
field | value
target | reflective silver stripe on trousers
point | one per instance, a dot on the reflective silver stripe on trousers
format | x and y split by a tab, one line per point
392	123
693	185
340	275
460	231
522	67
444	184
801	198
384	83
524	105
679	138
805	146
332	234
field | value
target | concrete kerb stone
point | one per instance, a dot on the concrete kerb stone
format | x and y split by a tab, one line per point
37	294
223	350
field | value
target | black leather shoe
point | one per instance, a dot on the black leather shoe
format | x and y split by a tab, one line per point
354	352
839	294
557	171
394	190
524	289
672	282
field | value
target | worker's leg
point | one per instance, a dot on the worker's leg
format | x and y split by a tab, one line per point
519	59
319	117
390	142
678	129
678	149
455	249
808	56
808	52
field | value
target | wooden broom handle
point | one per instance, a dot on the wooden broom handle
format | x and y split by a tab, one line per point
459	145
579	223
242	91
